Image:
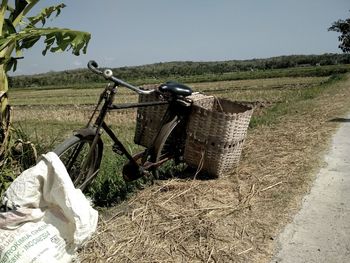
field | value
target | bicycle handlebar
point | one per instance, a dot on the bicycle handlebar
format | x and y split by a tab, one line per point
108	74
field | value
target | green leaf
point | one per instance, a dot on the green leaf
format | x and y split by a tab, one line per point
29	42
29	6
10	8
20	5
8	28
3	8
56	39
65	40
5	43
10	63
45	14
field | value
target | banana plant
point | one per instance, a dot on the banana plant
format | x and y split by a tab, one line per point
19	31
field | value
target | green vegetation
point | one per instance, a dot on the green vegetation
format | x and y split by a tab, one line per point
343	27
19	31
285	66
49	116
278	110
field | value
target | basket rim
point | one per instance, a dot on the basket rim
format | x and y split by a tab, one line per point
245	104
200	109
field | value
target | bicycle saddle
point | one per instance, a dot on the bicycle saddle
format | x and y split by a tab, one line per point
175	88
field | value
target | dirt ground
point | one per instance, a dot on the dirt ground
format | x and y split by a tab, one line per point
236	218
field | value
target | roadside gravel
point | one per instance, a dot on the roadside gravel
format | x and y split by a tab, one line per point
320	232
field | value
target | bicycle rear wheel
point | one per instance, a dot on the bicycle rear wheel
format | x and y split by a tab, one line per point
169	149
73	152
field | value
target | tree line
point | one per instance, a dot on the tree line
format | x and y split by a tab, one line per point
178	69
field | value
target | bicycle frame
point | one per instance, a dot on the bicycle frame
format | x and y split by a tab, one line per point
174	114
82	153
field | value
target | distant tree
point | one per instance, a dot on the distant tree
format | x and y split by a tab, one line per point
19	31
343	27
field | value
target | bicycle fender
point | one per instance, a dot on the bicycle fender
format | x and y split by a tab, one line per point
85	132
165	131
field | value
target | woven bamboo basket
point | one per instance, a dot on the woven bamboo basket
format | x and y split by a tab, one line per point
215	135
148	120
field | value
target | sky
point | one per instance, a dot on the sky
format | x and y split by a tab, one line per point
138	32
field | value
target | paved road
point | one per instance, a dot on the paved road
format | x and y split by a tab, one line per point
320	232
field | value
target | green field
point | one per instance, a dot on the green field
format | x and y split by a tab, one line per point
48	116
57	112
290	128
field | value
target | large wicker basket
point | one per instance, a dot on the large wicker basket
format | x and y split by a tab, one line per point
148	120
215	135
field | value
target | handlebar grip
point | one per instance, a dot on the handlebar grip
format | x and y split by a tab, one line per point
93	66
108	74
93	63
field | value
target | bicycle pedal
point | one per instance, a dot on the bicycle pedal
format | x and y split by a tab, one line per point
132	172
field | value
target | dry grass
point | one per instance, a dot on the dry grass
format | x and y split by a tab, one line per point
69	113
64	96
75	105
266	88
272	83
232	219
272	90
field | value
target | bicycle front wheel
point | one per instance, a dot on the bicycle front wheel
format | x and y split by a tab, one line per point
74	153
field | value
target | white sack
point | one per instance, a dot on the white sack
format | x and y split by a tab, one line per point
52	218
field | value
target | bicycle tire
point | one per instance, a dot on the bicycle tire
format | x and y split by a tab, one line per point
73	153
169	146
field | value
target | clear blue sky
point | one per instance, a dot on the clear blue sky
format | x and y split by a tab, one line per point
136	32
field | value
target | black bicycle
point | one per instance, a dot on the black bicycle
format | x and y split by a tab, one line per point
82	153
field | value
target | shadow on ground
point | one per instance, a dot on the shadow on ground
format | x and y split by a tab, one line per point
186	173
339	120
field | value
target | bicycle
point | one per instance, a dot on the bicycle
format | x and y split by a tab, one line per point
82	152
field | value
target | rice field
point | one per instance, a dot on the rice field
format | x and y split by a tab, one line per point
256	89
56	112
231	219
50	116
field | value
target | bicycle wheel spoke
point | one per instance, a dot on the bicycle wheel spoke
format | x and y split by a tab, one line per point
81	161
73	157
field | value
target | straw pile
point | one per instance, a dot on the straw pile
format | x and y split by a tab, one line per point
231	219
